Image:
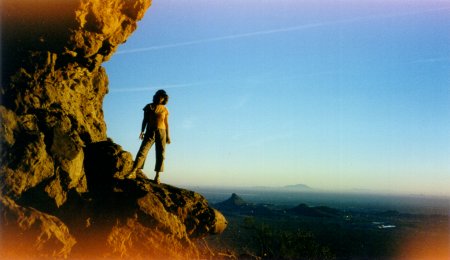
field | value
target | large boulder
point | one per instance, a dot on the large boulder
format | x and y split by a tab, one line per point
62	188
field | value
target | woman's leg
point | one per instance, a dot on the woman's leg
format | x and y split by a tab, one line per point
160	147
141	155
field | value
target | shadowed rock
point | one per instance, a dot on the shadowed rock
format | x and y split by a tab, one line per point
46	235
62	191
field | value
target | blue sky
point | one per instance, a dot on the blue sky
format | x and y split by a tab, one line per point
338	95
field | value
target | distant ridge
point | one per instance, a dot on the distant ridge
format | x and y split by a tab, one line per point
321	211
298	187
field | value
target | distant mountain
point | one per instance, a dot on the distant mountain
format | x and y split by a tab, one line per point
237	205
322	211
233	202
298	187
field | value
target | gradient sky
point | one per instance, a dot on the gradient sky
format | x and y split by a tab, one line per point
338	95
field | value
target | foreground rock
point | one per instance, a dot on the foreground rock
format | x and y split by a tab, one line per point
62	189
129	219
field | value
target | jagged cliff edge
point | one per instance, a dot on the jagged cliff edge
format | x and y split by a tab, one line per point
62	189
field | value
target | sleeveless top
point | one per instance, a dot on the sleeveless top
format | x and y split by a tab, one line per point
155	116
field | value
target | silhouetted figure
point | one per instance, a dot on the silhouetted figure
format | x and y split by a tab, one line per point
155	130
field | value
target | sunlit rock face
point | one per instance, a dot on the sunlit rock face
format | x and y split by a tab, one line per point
62	187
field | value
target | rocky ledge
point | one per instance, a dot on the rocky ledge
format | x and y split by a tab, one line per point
62	188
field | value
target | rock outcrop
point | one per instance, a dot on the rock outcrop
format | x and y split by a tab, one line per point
62	191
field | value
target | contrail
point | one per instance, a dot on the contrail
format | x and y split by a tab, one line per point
115	90
432	60
216	39
280	30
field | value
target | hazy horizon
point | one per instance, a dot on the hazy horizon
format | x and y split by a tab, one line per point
284	188
337	95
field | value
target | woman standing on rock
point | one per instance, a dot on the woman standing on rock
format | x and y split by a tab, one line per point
156	127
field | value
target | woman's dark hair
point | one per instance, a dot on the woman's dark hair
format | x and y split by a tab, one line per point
160	94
